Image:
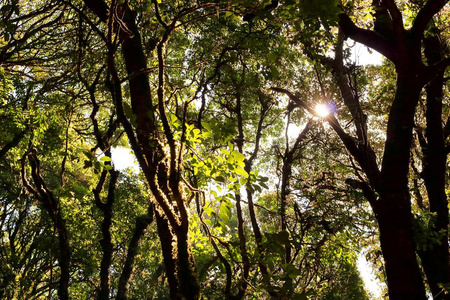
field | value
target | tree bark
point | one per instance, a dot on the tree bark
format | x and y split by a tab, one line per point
166	239
435	257
13	143
106	242
393	213
142	223
393	209
242	249
394	218
52	206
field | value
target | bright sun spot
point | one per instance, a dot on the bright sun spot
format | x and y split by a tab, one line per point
123	158
322	110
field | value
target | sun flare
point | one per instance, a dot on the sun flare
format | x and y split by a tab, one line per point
322	110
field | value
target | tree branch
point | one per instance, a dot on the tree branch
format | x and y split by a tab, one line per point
397	19
14	142
425	15
52	206
366	37
368	192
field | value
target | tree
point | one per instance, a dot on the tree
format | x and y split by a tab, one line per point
228	202
387	188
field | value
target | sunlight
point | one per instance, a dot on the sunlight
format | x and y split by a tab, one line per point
371	283
322	110
362	56
123	158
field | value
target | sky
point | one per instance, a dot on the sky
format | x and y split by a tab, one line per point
123	158
362	56
371	283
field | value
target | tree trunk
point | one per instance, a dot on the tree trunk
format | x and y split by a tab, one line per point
166	238
149	152
188	284
142	223
242	248
435	256
52	206
393	211
394	218
106	242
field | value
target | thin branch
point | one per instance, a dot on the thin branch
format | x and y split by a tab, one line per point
158	15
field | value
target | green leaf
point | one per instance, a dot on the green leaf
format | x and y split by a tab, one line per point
208	210
207	126
230	146
88	154
220	179
264	179
173	118
239	157
196	132
127	110
241	172
225	213
273	57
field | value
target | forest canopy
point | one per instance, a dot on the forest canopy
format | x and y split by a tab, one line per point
267	158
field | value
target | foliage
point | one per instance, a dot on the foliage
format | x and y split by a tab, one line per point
242	191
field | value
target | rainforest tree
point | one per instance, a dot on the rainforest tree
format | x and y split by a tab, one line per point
241	189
